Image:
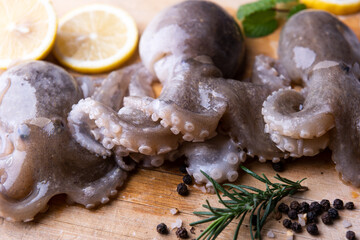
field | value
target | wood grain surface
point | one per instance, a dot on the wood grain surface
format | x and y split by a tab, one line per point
149	194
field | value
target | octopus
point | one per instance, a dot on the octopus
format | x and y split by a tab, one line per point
325	113
39	157
80	137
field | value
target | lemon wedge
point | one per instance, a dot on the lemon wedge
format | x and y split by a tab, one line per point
28	30
339	7
95	38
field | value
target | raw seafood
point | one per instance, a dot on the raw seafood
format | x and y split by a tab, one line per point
321	53
39	158
197	101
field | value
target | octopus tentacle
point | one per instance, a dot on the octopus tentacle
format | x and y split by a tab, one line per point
80	124
267	71
26	209
219	157
287	112
97	126
122	159
243	121
99	191
299	147
128	128
134	80
187	107
148	161
345	137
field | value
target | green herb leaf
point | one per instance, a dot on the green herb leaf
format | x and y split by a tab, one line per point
260	202
250	8
259	18
260	24
287	1
296	9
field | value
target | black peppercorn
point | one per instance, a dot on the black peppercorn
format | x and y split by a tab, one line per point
162	228
326	219
293	214
325	204
295	205
183	168
350	235
182	189
283	208
187	179
304	207
334	214
316	207
296	227
279	166
349	205
338	204
312	229
182	233
287	223
311	217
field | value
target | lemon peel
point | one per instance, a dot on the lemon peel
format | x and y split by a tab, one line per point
338	7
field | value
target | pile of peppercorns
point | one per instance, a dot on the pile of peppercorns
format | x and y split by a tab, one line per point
183	191
312	211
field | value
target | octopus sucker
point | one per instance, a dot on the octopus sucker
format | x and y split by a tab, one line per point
325	113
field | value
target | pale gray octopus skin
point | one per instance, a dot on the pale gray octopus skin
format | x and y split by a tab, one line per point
104	126
322	53
39	158
190	47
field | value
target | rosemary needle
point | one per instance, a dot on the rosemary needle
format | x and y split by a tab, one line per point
243	200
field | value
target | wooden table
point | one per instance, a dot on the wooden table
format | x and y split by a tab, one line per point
149	194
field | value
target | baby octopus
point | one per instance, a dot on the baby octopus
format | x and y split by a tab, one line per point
39	158
193	48
321	53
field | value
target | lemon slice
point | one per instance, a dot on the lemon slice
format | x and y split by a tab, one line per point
339	7
95	38
27	30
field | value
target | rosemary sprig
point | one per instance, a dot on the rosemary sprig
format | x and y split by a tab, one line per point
242	200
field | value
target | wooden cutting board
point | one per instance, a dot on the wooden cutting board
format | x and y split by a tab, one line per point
149	194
